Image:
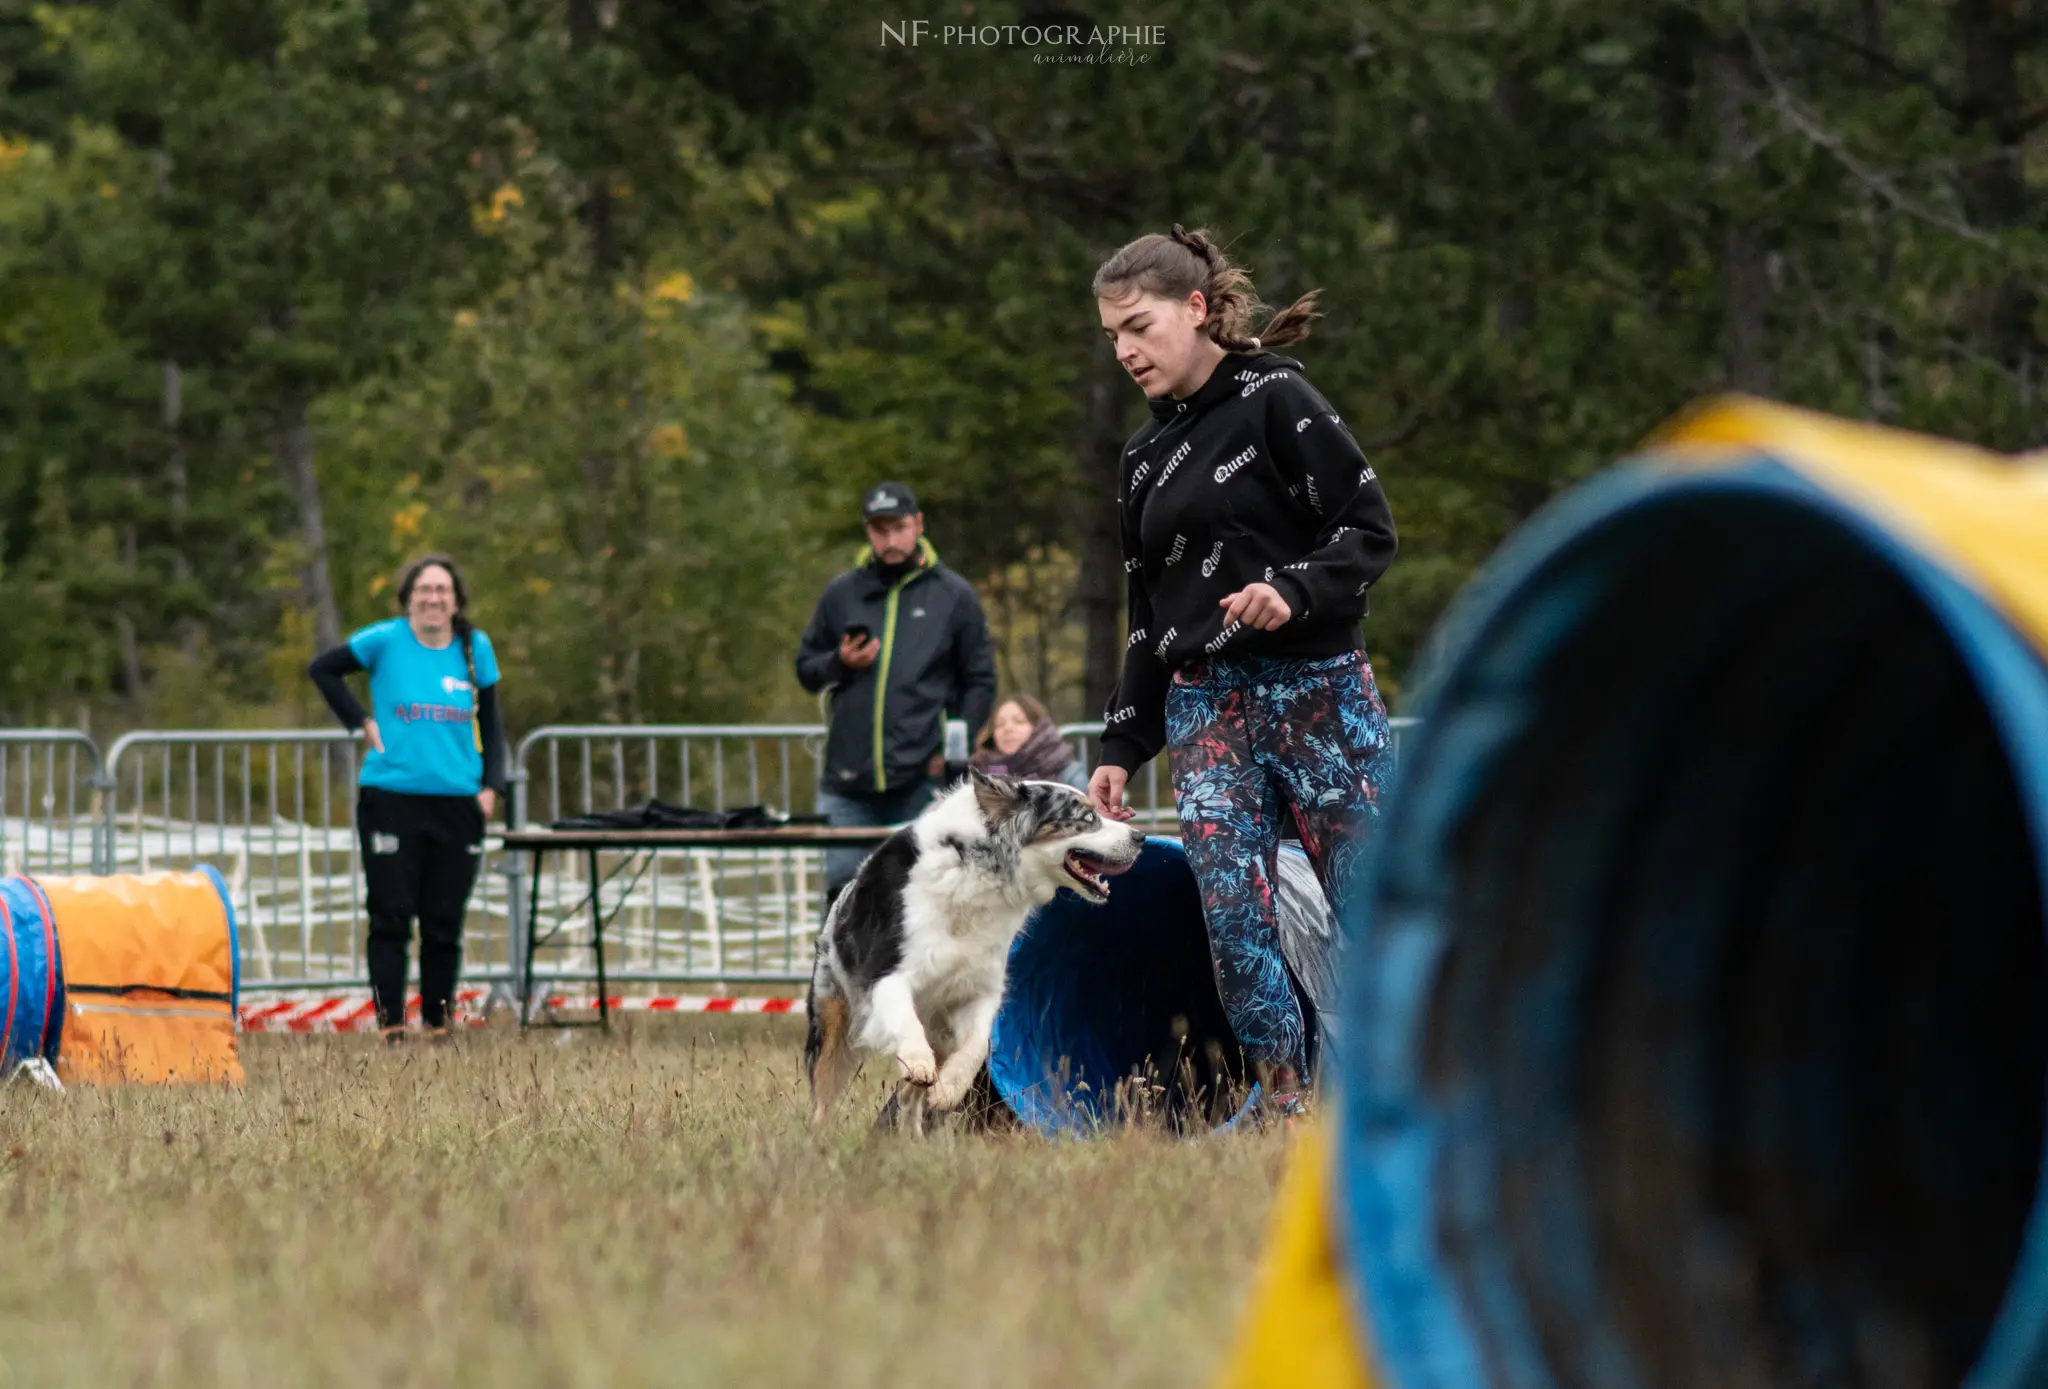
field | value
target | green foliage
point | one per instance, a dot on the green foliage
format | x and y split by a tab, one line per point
621	486
403	264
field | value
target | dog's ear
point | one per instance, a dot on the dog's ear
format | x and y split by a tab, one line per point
996	795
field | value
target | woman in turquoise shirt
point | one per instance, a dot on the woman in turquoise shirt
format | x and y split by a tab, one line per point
429	784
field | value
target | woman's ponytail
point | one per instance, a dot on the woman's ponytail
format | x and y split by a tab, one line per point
1182	262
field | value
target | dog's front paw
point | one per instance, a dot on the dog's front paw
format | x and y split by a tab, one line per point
950	1088
920	1067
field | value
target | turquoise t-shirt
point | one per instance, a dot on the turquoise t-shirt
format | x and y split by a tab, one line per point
425	710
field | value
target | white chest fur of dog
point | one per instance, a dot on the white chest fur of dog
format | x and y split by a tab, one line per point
911	959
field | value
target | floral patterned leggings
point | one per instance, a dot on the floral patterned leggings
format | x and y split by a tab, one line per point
1243	738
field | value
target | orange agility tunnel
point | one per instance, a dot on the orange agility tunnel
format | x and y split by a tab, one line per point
143	978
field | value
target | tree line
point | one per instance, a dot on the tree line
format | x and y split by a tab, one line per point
624	302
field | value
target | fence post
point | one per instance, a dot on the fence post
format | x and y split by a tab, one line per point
514	869
104	784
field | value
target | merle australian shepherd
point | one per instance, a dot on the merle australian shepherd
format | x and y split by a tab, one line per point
912	955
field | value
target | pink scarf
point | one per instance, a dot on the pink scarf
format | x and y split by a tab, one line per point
1042	758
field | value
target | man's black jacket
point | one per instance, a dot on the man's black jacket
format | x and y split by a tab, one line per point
936	663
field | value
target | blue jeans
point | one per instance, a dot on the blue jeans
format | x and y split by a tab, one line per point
886	808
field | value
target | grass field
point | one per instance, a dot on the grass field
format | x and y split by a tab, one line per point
645	1210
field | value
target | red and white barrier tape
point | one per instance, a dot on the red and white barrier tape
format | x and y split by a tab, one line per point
354	1012
686	1003
350	1012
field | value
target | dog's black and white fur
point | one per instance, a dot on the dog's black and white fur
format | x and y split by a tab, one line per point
912	956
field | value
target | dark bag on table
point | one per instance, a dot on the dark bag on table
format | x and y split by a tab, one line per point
660	815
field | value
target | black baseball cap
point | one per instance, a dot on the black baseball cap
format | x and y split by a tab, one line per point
888	499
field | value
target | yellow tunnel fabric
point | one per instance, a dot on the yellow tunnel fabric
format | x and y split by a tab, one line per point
1300	1332
148	979
1982	516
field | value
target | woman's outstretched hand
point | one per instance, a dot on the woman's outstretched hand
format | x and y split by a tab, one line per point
1258	606
1106	789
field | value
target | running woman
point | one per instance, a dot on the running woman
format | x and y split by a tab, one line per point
429	784
1253	529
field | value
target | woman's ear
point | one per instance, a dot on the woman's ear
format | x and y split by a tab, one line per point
1198	305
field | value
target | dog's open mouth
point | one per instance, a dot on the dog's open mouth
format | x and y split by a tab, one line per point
1092	874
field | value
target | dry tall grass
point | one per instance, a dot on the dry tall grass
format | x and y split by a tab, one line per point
645	1210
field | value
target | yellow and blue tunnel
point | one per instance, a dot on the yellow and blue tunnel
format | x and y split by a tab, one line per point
1696	1032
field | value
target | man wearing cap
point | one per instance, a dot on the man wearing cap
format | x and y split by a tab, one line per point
901	645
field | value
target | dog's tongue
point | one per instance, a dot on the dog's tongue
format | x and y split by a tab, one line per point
1102	868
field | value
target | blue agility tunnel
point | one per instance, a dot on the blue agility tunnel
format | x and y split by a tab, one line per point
31	977
1703	998
1100	994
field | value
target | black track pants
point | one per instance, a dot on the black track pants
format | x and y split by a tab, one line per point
420	856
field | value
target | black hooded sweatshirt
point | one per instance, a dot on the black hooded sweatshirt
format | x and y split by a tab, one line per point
1253	478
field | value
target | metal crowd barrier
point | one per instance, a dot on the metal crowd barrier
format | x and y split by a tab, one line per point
274	811
689	915
696	915
713	916
51	784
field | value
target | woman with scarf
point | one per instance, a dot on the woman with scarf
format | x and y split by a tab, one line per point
1023	741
